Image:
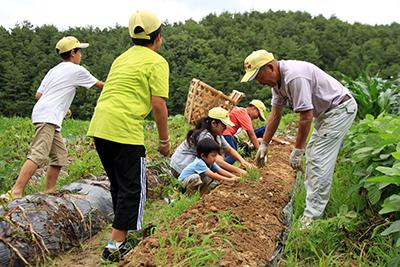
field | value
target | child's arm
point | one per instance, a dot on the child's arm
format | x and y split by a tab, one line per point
225	173
99	84
237	156
160	113
226	166
38	95
216	176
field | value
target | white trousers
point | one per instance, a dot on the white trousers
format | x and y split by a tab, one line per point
329	131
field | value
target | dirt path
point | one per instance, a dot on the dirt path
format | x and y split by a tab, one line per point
256	205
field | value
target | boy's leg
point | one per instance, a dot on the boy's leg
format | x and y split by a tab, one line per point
107	151
131	178
26	172
52	176
58	159
38	155
192	181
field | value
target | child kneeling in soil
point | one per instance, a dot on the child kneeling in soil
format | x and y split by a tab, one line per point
203	170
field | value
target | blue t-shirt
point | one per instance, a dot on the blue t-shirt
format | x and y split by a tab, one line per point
197	166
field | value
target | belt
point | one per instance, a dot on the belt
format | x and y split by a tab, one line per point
345	98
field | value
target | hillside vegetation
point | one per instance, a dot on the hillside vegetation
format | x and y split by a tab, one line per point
212	50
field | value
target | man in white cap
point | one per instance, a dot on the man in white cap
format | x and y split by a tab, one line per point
54	97
313	94
136	84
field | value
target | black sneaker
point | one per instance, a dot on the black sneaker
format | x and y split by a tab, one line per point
112	253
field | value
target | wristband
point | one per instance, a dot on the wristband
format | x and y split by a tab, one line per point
166	141
163	145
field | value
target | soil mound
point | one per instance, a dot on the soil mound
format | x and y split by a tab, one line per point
255	219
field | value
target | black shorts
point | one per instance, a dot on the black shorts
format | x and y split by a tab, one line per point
125	166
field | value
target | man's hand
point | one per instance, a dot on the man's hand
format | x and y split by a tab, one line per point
295	158
164	149
261	156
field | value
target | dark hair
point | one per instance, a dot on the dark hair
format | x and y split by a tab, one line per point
206	146
144	42
67	54
202	124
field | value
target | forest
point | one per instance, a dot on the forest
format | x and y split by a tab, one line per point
211	50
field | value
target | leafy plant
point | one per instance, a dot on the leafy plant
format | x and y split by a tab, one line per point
376	145
374	95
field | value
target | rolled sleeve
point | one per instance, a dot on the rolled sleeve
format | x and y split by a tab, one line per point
300	90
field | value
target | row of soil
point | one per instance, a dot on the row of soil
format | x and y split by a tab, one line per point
256	206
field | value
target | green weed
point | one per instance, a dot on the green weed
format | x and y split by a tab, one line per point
253	174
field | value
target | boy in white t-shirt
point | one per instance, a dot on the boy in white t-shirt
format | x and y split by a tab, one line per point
203	170
54	97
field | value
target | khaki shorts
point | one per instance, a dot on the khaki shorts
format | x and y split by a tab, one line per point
48	143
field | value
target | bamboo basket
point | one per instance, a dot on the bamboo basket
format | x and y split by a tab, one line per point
202	97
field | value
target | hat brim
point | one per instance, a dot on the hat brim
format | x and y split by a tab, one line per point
227	122
250	75
262	115
83	45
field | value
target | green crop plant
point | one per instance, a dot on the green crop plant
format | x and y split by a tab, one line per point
374	95
344	236
374	146
253	174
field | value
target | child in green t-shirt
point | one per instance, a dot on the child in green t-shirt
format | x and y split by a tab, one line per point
136	84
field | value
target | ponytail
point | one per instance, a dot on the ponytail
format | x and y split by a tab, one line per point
202	124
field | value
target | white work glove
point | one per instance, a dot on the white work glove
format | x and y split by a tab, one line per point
261	155
295	158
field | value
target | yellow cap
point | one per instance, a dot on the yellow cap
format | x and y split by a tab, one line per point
220	114
68	43
260	106
254	62
145	19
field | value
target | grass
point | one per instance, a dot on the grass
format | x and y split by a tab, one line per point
188	246
343	237
16	134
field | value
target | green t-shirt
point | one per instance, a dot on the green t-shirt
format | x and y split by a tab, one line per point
135	76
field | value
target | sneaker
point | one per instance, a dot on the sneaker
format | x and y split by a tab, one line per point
181	189
306	222
113	252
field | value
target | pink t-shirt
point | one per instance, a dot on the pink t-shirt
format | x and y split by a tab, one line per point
241	119
307	87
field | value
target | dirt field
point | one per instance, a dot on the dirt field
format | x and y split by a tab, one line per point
257	205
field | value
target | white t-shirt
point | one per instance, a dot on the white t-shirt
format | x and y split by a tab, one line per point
58	90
